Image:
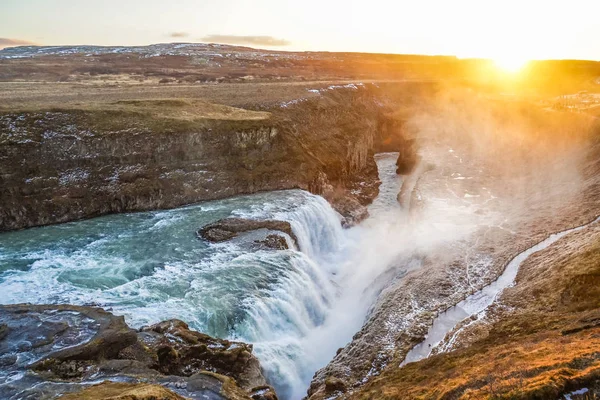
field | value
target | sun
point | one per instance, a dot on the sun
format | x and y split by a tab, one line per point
511	64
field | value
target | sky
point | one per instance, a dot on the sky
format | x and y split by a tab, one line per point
498	29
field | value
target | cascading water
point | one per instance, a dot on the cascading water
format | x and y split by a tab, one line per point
296	306
150	266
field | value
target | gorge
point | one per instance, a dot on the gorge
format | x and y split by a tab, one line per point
290	239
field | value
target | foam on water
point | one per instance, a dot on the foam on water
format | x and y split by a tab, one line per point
296	306
150	266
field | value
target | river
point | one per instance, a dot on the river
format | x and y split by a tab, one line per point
296	306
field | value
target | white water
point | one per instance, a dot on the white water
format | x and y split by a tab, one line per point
479	301
296	307
150	267
369	257
353	264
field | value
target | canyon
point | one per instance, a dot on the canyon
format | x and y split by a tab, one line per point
344	218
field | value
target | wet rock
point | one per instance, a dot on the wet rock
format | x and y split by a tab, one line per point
263	393
53	335
350	209
57	350
407	157
228	228
275	242
184	352
3	331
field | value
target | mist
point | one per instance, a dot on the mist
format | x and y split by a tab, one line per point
485	162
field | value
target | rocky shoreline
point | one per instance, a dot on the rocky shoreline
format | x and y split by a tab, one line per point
51	350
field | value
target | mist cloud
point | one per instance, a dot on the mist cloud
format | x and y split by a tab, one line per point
179	34
246	40
6	42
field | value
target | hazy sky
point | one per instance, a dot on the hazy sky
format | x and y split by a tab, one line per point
467	28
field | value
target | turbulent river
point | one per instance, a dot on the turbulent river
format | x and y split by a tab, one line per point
296	306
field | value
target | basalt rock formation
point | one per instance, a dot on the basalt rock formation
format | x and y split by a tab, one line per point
64	164
64	349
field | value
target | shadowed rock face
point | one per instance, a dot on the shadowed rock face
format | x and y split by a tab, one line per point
228	228
63	349
407	157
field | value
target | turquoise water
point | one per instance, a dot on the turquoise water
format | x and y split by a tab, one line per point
296	306
150	266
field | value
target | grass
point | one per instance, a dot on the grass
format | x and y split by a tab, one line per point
128	118
181	109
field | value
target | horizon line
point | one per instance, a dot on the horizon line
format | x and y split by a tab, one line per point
294	51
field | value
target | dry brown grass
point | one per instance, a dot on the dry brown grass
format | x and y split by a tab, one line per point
36	95
181	109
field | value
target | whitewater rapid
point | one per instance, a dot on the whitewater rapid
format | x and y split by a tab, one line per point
296	306
353	264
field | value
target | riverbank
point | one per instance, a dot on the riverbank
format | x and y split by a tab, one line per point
49	351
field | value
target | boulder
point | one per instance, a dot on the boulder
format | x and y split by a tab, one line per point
275	242
350	209
63	339
183	352
228	228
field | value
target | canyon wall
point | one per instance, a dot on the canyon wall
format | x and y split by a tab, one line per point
60	165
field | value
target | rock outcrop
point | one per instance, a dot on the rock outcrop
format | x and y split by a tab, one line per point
124	391
184	352
228	228
55	350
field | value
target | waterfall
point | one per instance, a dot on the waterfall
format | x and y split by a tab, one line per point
150	267
278	321
315	224
322	300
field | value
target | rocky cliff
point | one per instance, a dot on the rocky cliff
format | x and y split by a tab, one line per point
58	165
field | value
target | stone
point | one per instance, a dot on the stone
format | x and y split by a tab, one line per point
83	345
228	228
183	352
275	242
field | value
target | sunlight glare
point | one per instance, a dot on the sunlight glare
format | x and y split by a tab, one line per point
510	64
